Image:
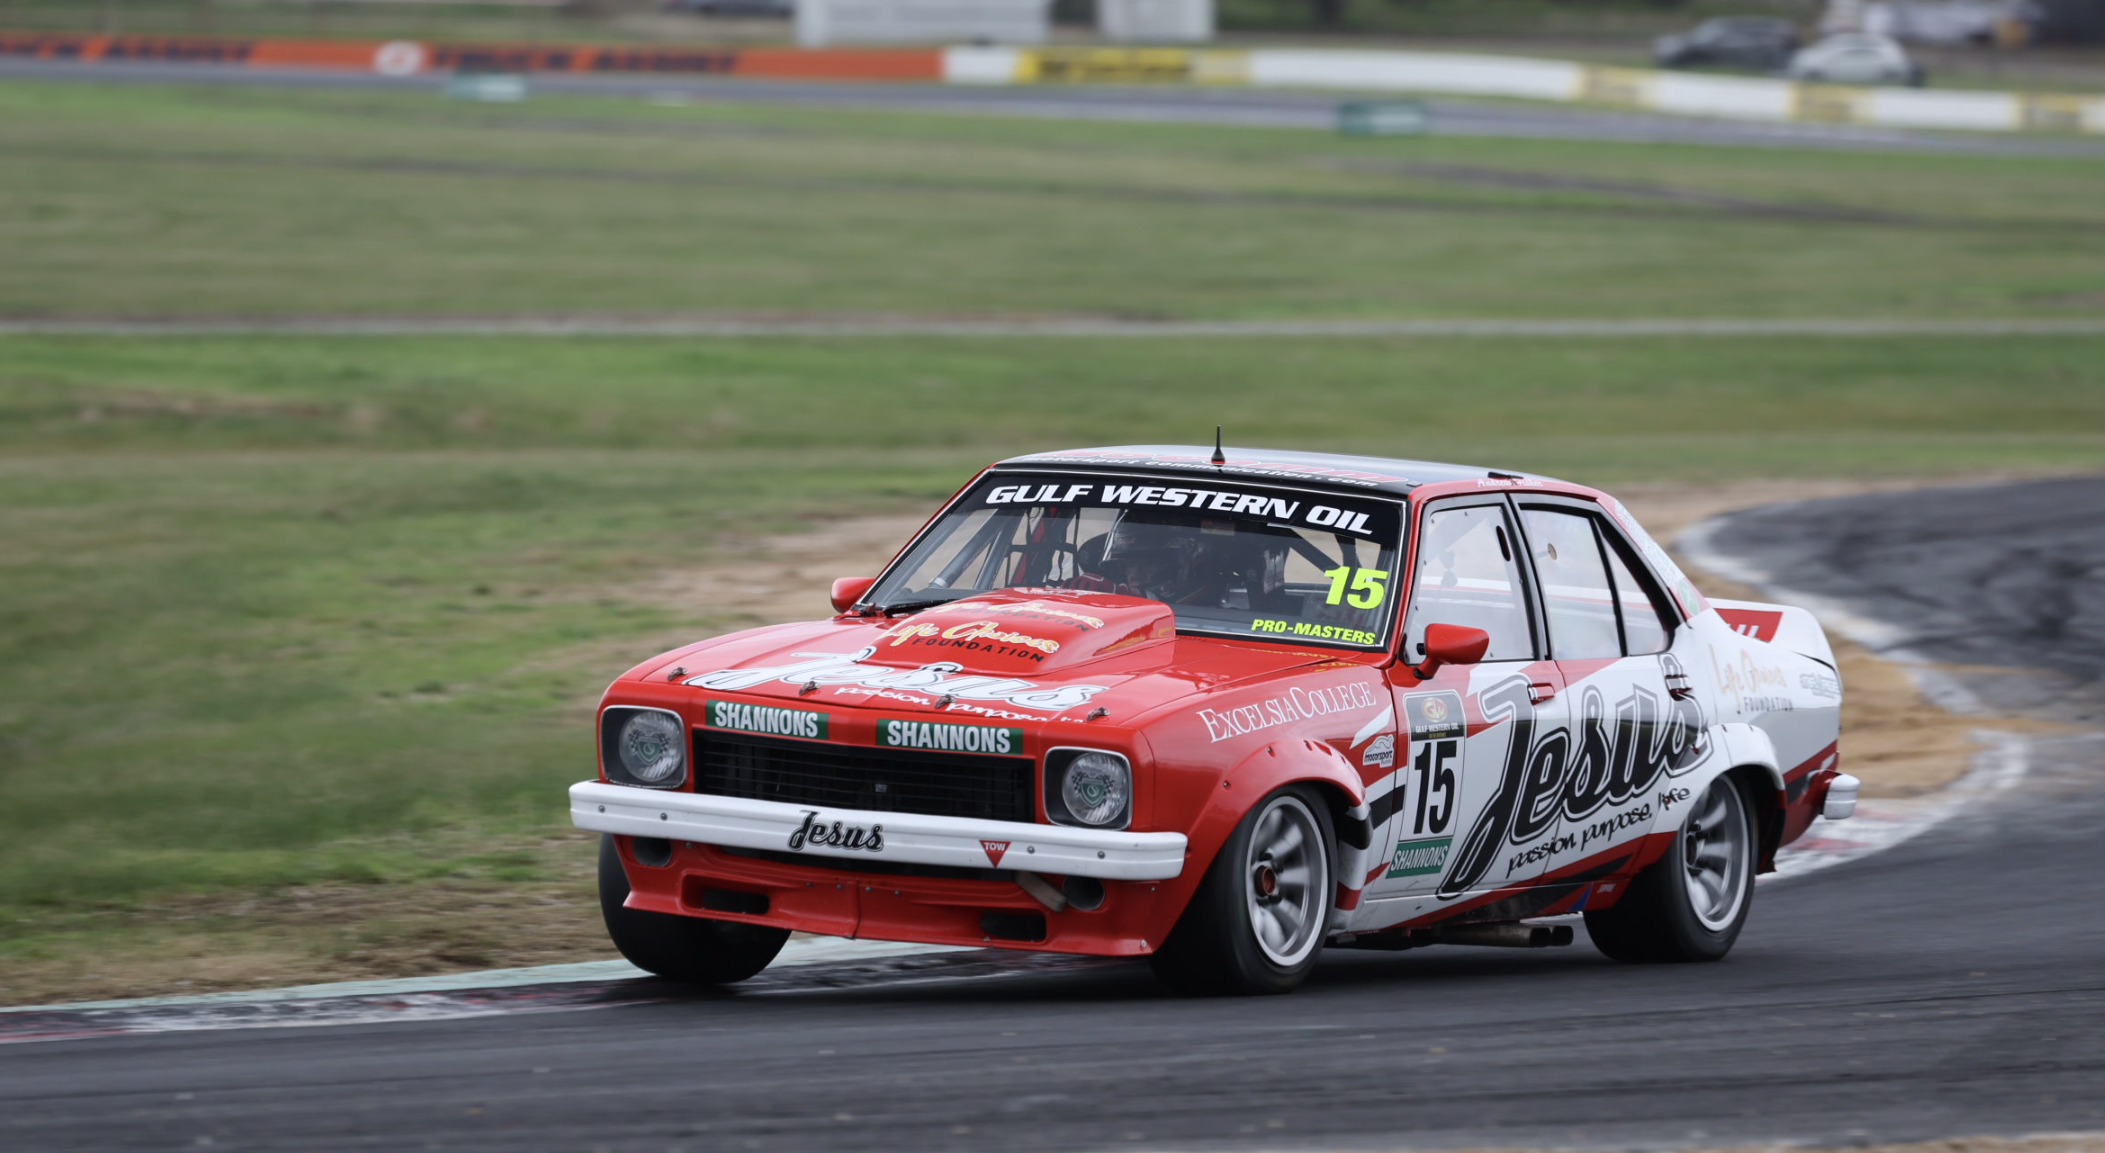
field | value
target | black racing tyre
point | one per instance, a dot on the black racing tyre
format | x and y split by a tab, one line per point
1258	919
691	949
1688	905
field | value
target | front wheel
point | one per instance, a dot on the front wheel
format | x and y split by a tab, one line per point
690	949
1261	912
1688	905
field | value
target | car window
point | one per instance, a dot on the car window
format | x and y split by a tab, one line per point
1575	593
1228	557
1468	575
1643	628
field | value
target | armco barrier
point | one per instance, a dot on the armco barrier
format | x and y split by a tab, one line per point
1725	97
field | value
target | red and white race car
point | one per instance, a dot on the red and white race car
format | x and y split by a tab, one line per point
1222	710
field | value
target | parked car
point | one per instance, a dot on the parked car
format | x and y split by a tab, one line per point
1855	58
1759	42
1223	711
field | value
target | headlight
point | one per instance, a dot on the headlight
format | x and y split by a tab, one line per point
1088	787
643	747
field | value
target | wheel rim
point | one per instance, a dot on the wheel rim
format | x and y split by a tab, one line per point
1715	847
1285	880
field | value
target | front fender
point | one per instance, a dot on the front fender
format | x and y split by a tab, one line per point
1255	777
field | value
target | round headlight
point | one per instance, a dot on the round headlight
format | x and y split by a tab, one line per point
1095	788
651	748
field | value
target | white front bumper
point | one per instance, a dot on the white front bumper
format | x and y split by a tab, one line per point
911	837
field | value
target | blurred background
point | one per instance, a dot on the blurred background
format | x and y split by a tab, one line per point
360	421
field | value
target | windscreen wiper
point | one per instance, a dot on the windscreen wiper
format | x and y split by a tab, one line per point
892	610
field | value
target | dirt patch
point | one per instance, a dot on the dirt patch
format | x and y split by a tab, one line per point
1893	739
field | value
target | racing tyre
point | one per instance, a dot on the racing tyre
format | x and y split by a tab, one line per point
1690	903
690	949
1260	914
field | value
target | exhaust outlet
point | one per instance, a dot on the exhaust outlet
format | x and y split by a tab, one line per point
1506	935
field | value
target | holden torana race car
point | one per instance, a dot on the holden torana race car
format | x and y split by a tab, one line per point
1222	710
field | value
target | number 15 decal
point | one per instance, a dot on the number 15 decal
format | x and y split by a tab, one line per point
1368	585
1435	776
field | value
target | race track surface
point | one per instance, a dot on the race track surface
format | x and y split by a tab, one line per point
1243	107
1951	985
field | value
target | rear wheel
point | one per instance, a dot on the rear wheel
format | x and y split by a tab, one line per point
1259	917
691	949
1688	905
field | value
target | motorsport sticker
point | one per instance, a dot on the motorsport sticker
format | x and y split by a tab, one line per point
1372	519
948	738
1420	858
766	719
994	850
1432	716
934	679
1381	754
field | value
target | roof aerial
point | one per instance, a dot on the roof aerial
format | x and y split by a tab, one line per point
1343	470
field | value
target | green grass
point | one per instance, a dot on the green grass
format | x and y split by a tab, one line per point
296	611
184	202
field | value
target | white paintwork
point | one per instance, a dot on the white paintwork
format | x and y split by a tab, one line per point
910	837
1155	21
1416	72
981	65
824	22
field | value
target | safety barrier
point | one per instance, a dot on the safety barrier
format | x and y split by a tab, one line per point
1691	94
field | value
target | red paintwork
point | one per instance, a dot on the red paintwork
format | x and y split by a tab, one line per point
1155	687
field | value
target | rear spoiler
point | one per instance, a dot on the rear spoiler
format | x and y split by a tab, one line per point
1780	625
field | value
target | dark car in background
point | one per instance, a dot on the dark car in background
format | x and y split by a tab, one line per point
1759	42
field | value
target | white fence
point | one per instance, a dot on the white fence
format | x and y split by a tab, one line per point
1691	94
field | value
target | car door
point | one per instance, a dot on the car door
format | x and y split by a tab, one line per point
1465	728
1584	810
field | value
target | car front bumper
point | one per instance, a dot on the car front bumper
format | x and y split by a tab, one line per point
913	838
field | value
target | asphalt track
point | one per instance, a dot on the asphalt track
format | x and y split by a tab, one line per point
1950	985
1238	107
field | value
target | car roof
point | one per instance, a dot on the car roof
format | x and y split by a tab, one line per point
1325	469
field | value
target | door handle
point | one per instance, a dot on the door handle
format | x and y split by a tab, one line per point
1679	687
1540	691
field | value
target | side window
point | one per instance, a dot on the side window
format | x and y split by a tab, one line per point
1644	630
1576	596
1468	575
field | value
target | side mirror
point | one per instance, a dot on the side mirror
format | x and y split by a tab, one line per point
848	590
1451	645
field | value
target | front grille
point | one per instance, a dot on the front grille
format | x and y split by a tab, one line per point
854	777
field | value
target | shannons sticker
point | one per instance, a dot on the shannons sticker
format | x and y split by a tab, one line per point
945	738
1421	858
934	679
774	722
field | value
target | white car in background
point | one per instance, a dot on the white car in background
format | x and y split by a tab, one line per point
1855	58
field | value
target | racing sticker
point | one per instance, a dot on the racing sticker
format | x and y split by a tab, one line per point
1373	519
1431	782
938	737
1420	858
1297	704
1435	716
774	722
1381	754
934	679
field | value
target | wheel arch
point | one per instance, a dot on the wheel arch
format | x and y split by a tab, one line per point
1747	755
1266	770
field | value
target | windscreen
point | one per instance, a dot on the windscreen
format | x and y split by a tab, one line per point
1229	558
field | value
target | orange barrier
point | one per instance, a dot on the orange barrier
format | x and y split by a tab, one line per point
410	57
